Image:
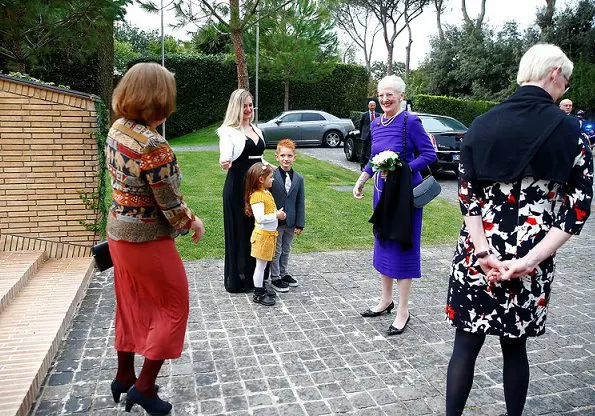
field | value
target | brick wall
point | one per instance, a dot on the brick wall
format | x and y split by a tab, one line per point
47	157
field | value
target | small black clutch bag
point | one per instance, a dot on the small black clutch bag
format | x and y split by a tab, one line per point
103	259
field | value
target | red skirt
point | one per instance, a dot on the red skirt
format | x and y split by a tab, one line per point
151	298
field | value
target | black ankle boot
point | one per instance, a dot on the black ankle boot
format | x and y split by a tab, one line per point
262	297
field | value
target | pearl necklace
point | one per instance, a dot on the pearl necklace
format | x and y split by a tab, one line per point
387	121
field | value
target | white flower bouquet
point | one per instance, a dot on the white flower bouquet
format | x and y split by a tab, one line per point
385	161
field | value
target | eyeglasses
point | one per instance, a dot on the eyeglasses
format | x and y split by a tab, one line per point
388	96
566	81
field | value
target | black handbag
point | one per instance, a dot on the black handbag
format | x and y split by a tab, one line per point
103	259
428	188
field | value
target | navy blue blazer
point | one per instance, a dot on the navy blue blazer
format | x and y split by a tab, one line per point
292	202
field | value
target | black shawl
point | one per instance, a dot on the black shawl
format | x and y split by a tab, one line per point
392	217
526	135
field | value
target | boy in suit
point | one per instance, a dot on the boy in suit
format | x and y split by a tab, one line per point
288	191
364	128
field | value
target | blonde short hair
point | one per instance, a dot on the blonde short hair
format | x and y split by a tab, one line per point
146	93
235	108
539	60
393	82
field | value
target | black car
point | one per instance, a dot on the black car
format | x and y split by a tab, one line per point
445	132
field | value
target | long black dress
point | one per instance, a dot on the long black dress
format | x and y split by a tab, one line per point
239	265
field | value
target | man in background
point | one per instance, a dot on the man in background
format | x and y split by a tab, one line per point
364	128
566	106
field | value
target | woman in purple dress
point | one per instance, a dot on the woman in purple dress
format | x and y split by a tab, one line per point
391	259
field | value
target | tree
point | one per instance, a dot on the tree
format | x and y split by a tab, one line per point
137	38
474	25
389	13
54	40
32	28
298	44
211	40
233	18
471	63
359	24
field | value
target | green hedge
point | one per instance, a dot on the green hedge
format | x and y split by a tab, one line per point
463	110
204	84
355	116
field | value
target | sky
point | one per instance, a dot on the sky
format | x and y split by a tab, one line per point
423	28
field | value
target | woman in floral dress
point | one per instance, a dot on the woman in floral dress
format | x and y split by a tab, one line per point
516	161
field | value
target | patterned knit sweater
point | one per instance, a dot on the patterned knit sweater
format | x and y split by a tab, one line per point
146	203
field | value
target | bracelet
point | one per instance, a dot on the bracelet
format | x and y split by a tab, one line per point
483	254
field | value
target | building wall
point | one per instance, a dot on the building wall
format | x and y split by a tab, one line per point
47	158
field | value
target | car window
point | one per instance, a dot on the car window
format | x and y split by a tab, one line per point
441	124
291	118
312	117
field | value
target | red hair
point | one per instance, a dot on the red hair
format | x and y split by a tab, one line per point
290	144
253	183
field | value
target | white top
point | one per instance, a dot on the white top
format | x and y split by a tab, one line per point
267	222
232	142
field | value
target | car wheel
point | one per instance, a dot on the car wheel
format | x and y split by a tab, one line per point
332	138
349	149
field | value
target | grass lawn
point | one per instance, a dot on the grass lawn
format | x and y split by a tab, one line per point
334	219
202	137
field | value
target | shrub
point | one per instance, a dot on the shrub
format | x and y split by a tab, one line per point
204	84
355	116
463	110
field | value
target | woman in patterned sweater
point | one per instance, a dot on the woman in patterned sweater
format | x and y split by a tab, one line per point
516	160
146	214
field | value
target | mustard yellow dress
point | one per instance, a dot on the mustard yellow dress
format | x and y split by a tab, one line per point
264	236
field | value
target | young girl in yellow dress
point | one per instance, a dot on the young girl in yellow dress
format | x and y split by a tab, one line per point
260	204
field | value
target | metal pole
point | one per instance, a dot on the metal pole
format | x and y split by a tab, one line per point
162	58
257	53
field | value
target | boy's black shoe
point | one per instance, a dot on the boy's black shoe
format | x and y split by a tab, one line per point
262	297
290	280
279	285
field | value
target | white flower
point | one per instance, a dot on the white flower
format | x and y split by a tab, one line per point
386	160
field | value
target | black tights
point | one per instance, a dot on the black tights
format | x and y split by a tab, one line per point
462	364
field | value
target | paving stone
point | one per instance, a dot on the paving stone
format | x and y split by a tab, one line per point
313	354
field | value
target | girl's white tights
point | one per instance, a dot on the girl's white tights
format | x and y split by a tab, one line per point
259	272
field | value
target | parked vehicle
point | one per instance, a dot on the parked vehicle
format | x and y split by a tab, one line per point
307	127
588	127
445	132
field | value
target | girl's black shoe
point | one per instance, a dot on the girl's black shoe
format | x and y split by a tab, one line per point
119	388
262	297
154	406
369	313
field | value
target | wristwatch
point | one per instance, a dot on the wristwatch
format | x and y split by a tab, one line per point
483	254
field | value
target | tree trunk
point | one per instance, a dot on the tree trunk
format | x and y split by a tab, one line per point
286	98
235	27
438	4
479	20
105	65
548	17
408	48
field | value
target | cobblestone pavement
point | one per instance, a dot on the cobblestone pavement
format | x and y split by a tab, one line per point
313	354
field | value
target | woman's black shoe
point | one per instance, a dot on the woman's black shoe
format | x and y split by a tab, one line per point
118	389
397	331
152	405
369	313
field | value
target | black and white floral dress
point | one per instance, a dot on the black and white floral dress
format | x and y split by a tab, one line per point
516	216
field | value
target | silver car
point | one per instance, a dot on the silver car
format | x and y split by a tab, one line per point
307	127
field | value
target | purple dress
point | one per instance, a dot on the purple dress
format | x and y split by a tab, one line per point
389	259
